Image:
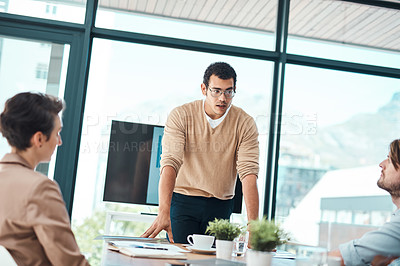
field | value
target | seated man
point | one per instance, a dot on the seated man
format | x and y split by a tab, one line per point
385	242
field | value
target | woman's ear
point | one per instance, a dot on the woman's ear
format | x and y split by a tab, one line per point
38	139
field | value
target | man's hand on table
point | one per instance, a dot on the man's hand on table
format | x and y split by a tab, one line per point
162	222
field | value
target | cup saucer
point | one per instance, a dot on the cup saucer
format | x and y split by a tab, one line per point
201	250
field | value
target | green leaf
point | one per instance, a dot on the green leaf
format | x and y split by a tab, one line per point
265	235
222	229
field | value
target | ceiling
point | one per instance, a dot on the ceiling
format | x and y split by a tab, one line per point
329	20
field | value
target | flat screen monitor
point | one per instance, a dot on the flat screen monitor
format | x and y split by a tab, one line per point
133	165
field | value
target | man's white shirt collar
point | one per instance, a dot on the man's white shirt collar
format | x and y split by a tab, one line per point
215	122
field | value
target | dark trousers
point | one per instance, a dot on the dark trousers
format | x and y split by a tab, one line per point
191	214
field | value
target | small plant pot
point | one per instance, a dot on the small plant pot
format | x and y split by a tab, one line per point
224	249
258	258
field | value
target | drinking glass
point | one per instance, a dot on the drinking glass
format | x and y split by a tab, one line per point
240	244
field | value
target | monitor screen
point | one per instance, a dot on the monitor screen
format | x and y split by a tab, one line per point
133	166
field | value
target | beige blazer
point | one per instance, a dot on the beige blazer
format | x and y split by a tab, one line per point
34	223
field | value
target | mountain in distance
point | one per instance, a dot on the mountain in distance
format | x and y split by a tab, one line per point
362	140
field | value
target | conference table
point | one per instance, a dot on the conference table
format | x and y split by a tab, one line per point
114	258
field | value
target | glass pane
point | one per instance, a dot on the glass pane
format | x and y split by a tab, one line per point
63	10
240	23
31	66
336	129
139	83
345	31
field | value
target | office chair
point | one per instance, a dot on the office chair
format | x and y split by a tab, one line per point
5	257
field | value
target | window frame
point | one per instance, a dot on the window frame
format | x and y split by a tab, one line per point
80	36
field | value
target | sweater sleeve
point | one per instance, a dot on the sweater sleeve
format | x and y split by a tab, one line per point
173	142
248	150
48	215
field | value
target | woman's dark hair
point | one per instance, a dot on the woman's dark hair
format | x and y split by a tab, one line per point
27	113
221	70
394	153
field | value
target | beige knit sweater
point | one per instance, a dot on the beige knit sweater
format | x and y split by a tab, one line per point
207	160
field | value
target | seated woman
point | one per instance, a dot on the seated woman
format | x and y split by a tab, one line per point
34	223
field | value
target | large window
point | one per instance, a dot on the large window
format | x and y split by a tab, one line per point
139	83
336	126
27	65
248	24
336	129
345	31
64	10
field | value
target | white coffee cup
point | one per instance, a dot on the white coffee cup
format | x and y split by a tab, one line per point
200	241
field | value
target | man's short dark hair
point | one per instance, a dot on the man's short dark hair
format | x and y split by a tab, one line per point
394	153
222	70
27	113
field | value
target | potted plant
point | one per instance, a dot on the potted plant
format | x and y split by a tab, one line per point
265	236
224	232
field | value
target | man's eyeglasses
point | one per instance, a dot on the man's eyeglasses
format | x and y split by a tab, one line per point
229	93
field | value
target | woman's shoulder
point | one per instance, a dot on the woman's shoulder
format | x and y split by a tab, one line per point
22	178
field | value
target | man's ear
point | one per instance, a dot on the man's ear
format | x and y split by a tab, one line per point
204	89
38	139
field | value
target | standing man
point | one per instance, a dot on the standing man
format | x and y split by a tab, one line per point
205	144
382	244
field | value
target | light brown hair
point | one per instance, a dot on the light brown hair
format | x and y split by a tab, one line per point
394	153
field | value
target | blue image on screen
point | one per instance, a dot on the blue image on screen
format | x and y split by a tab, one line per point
154	173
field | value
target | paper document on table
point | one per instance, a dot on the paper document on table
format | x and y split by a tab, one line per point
152	253
148	250
214	261
146	245
282	254
108	238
